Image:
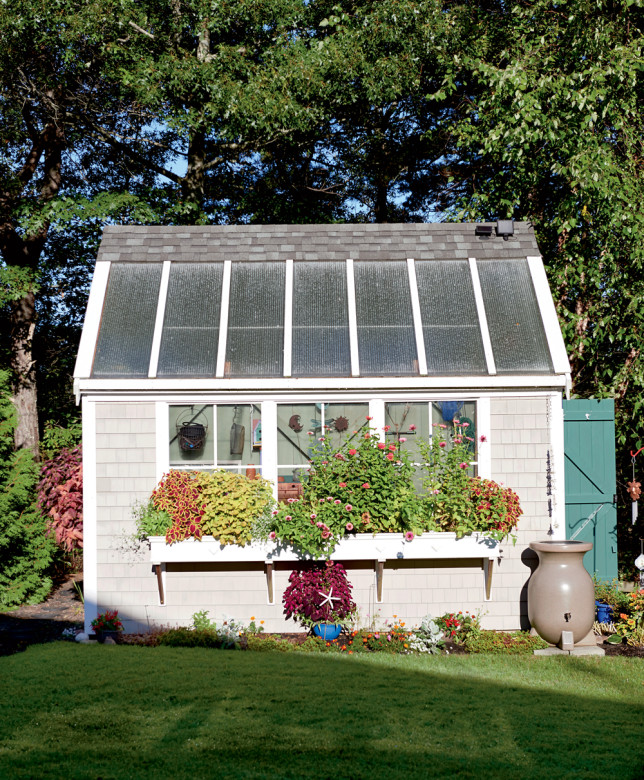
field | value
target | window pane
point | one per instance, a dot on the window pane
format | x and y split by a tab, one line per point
386	338
191	325
192	439
453	342
445	412
294	443
239	436
408	423
343	422
320	320
256	320
516	329
127	325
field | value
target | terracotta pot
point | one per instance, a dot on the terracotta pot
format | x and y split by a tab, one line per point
561	595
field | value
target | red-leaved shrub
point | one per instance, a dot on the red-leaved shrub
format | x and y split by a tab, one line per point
60	496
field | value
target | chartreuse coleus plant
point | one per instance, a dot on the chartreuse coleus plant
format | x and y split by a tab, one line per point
228	506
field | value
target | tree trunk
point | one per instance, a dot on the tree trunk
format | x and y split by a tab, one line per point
23	324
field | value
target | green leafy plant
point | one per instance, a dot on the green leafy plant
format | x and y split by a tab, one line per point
150	521
458	626
608	592
504	642
630	627
427	637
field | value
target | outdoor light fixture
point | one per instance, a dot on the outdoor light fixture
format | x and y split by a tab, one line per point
483	231
505	228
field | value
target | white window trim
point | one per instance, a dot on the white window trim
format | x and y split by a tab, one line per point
549	317
91	325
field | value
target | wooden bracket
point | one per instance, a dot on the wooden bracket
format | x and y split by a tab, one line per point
488	565
380	570
269	582
159	572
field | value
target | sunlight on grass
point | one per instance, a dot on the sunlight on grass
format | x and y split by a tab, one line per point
91	711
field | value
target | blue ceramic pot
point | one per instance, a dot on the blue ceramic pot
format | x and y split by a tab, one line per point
327	631
604	612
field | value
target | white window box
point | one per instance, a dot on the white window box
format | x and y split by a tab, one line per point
375	547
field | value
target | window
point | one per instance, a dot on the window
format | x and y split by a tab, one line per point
216	436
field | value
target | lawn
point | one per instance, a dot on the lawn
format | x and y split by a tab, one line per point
71	711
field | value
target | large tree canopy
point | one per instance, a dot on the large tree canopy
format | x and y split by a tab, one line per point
189	111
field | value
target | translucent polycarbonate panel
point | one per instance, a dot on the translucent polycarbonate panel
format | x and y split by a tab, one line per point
451	330
516	328
127	324
255	343
239	436
192	435
191	324
386	337
320	320
299	426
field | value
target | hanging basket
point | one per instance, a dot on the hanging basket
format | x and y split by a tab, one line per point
191	436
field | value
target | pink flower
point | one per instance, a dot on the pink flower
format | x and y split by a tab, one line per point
381	445
442	425
482	439
412	427
348	507
309	433
343	484
409	535
320	501
272	535
369	418
320	524
442	444
321	438
353	452
466	425
337	501
326	534
349	526
386	428
366	485
313	516
462	465
392	447
288	517
329	498
367	435
275	512
291	500
389	456
402	440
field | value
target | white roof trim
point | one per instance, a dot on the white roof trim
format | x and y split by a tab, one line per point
480	310
556	344
223	319
158	323
346	385
418	321
93	314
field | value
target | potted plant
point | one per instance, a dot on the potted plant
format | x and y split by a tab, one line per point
107	625
319	597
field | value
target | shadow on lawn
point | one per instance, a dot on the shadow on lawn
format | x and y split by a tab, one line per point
200	713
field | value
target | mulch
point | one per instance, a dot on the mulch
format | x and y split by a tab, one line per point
39	623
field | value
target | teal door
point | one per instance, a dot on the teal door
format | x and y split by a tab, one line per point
589	449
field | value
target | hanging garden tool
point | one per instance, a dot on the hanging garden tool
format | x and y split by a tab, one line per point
634	488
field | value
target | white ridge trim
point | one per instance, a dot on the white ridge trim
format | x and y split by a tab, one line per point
223	320
353	320
418	320
158	322
480	310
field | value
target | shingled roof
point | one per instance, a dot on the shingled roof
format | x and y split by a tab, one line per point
447	241
298	301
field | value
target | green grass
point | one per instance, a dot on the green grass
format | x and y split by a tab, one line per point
70	711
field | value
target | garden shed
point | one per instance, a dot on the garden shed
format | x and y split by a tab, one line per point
226	347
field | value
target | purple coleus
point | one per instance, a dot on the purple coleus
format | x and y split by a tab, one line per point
319	593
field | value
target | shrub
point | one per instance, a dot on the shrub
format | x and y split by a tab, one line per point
609	593
26	552
60	496
150	521
497	642
186	637
457	626
319	593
